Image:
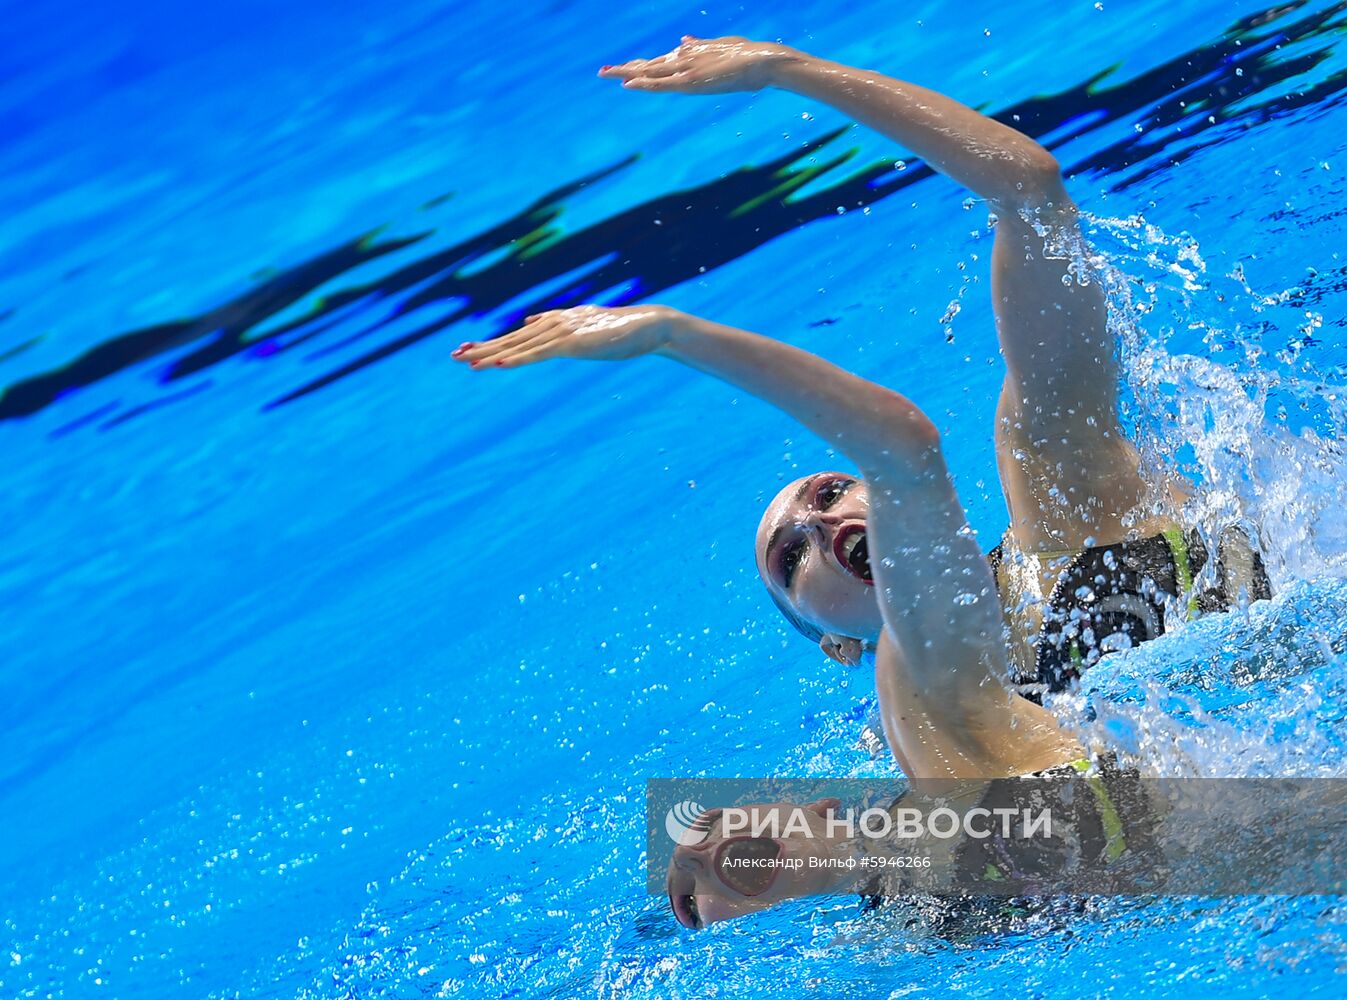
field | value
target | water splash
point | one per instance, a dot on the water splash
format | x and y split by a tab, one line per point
1260	691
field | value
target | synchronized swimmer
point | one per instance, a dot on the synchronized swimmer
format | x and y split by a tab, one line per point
964	641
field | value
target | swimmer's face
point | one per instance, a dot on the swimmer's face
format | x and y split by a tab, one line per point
813	554
730	874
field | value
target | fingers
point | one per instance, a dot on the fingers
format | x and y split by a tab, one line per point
660	66
663	66
498	352
485	355
509	355
540	344
671	81
626	70
539	352
484	352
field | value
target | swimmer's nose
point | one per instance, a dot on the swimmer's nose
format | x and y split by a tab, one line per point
819	523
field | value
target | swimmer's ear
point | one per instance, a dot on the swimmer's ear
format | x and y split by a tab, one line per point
843	649
825	807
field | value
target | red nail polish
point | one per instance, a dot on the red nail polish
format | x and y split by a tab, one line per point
500	364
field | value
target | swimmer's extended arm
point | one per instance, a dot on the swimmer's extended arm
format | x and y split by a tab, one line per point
874	426
940	666
1052	330
996	162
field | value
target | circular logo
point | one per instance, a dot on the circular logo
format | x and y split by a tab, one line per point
687	823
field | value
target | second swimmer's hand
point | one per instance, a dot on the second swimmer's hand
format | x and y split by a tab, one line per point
705	66
591	333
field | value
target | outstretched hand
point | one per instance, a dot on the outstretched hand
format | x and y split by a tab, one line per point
705	66
591	333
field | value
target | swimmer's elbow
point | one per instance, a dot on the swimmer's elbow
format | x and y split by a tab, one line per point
922	430
1040	183
904	432
921	433
1043	166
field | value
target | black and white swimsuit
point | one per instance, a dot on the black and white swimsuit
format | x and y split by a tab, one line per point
1105	598
1112	597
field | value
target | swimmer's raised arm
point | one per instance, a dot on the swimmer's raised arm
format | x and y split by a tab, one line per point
996	162
940	666
875	427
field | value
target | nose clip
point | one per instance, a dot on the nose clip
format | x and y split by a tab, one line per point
815	525
822	517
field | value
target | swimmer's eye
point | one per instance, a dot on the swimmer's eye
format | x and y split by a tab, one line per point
685	911
831	491
791	557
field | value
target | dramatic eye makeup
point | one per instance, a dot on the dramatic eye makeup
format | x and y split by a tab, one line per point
830	491
822	495
685	909
792	554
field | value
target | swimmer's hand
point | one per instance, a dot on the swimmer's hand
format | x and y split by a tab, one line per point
705	66
591	333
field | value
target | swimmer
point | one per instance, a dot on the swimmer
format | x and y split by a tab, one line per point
886	561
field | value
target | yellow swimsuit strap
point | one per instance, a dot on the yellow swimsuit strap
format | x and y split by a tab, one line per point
1114	841
1183	566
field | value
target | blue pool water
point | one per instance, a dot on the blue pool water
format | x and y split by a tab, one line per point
330	670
